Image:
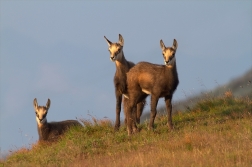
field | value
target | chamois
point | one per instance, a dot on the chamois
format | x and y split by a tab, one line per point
50	131
122	67
156	80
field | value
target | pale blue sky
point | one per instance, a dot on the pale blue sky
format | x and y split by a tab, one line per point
56	50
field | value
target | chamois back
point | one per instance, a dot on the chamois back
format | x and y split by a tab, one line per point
156	80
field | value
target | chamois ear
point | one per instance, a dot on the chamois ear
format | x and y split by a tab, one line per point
175	44
35	104
108	41
48	103
121	40
162	45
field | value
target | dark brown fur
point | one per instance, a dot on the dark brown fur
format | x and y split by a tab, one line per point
50	131
159	80
120	79
53	130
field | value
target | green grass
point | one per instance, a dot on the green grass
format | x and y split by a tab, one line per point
216	132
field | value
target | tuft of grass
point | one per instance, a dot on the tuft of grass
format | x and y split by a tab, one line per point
215	132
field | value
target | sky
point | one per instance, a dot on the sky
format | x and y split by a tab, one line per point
56	49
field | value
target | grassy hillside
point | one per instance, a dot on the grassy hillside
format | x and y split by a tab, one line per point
240	87
215	132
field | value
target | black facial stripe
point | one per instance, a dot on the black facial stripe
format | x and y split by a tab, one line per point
118	51
44	115
171	57
37	115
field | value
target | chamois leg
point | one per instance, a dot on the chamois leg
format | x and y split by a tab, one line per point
154	102
125	106
168	103
140	107
130	114
129	119
118	110
133	116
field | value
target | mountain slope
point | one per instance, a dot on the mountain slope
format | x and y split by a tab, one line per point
215	132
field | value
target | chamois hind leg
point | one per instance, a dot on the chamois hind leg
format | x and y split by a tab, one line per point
168	104
134	114
125	106
140	107
118	110
154	102
130	115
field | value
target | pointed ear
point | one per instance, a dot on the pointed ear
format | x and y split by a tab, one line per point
175	44
162	45
48	103
108	41
121	41
35	104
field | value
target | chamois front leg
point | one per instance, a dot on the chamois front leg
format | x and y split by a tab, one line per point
118	109
168	104
154	102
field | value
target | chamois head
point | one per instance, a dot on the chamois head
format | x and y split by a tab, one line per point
169	53
41	111
115	49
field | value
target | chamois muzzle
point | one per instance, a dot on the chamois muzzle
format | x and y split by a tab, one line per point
113	58
169	62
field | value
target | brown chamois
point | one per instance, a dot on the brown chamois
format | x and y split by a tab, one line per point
50	131
156	80
122	67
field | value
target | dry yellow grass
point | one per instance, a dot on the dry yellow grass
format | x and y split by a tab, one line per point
216	132
228	144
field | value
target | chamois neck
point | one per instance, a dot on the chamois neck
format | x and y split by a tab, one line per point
43	123
121	60
172	66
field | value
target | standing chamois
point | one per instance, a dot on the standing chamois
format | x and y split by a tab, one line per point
156	80
120	78
50	131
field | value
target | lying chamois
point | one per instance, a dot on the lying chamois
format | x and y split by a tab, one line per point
50	131
122	67
156	80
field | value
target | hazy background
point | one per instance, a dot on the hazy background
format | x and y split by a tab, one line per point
56	50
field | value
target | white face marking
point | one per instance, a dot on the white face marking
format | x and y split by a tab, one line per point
171	63
40	123
114	52
146	91
169	57
40	115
